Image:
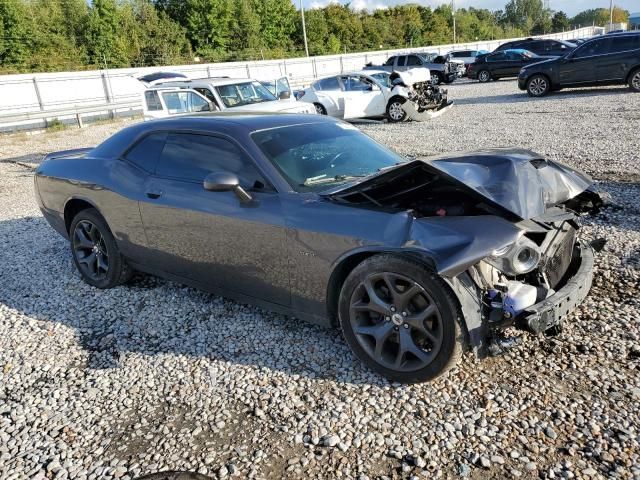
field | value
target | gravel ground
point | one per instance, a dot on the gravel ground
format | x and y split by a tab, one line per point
155	376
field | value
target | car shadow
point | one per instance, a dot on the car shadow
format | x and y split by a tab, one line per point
521	96
153	317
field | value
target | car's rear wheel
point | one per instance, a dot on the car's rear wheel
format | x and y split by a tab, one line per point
320	109
484	76
395	112
538	86
400	319
95	252
634	80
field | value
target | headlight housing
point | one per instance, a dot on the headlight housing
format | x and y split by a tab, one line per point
520	257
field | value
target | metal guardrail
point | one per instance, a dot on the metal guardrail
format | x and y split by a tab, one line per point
76	110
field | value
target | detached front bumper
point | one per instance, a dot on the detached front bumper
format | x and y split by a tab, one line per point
552	311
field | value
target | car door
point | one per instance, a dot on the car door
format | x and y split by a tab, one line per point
579	68
211	237
362	97
622	53
512	64
401	63
330	93
496	63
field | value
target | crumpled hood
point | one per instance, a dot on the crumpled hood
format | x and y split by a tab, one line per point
518	180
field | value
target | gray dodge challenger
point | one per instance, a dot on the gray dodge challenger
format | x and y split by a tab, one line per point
415	260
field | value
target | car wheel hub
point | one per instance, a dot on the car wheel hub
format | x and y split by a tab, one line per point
636	81
484	76
395	111
90	250
538	86
396	322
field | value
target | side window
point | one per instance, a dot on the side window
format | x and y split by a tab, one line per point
595	47
625	43
147	151
197	103
413	60
192	157
496	57
153	100
536	47
205	92
389	62
514	56
330	84
402	59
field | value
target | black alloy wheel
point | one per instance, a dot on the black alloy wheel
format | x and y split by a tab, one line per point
95	251
400	319
484	76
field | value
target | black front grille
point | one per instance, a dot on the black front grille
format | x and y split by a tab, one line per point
559	260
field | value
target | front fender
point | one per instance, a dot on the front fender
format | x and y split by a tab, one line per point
456	243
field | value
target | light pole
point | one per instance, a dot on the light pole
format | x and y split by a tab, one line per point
610	15
304	30
453	9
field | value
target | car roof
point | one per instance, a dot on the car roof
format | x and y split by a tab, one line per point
217	122
214	81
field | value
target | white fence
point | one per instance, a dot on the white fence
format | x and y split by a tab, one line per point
26	99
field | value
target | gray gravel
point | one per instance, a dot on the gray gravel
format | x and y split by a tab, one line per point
155	376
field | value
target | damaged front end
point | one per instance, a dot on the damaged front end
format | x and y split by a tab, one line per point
502	228
425	99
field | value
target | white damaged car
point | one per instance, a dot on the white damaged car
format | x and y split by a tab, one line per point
398	96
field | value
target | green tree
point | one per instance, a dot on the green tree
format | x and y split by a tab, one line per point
104	39
560	22
14	41
247	29
526	14
209	27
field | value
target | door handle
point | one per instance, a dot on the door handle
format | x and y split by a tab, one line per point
154	194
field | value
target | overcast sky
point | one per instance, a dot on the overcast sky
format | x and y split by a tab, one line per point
571	7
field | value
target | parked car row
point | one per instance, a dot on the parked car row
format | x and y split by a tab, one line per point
545	65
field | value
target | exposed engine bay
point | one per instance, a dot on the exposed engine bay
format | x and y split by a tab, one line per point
425	98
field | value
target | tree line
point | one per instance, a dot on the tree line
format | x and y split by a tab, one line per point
58	35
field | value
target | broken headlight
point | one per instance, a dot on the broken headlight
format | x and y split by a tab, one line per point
520	257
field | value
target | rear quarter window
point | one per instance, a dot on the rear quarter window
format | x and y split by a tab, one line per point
146	152
153	100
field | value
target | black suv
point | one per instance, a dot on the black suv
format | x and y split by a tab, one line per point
542	46
607	60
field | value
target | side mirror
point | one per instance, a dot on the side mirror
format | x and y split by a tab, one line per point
226	182
284	95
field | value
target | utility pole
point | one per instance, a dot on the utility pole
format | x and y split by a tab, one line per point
610	15
453	9
304	29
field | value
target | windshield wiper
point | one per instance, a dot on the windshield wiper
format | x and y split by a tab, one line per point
324	179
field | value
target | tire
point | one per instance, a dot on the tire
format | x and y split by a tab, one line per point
395	113
634	80
95	252
438	78
538	86
484	76
412	335
450	79
320	109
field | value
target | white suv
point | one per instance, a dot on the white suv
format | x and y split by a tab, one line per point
161	102
240	94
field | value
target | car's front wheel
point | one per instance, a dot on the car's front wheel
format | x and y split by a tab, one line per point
95	252
395	112
320	110
437	78
634	81
538	86
484	76
400	319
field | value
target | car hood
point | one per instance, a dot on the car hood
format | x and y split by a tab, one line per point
276	106
517	181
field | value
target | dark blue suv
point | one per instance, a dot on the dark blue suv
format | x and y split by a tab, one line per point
606	60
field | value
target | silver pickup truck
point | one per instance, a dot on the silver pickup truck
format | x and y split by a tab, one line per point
441	68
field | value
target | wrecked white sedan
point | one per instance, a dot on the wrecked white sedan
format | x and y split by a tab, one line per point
398	96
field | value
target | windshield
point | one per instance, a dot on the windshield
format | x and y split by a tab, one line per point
428	57
245	93
382	78
319	156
